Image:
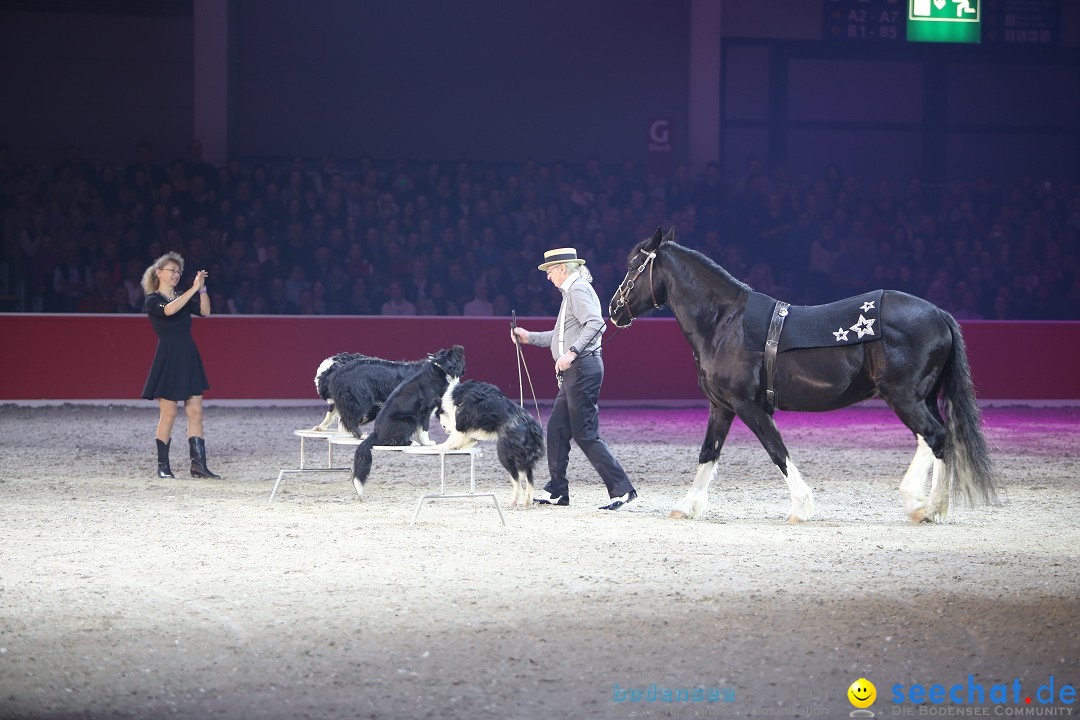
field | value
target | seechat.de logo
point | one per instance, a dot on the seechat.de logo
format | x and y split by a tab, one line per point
862	695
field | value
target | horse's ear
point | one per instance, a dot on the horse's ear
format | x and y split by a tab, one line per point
670	237
653	242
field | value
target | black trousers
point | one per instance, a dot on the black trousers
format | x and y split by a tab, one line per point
575	416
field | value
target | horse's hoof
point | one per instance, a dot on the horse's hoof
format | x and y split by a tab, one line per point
919	516
677	514
937	514
795	520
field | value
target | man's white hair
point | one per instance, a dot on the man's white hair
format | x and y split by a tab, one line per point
580	269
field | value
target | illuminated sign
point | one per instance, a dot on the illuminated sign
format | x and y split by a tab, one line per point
947	21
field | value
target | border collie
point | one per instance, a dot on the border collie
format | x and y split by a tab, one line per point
475	410
404	416
355	386
323	373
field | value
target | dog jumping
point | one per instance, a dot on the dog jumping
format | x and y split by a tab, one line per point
355	386
404	416
474	410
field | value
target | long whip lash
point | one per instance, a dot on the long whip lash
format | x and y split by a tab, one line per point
521	362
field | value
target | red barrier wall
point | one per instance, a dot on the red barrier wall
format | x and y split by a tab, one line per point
92	357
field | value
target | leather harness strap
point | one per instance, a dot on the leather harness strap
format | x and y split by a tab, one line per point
772	341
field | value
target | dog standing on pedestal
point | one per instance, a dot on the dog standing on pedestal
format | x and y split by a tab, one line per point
474	410
405	415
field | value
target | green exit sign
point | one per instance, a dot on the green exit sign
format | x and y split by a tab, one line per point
950	21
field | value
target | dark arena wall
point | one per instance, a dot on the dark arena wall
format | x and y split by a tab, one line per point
102	357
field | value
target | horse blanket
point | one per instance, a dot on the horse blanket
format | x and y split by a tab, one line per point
844	322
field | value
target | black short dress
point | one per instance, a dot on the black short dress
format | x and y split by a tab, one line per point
177	372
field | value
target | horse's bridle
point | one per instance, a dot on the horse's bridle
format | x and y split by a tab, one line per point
622	294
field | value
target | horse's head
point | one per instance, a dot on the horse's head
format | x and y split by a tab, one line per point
640	291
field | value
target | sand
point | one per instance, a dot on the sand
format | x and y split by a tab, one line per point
125	596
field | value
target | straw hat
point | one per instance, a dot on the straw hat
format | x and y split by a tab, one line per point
560	255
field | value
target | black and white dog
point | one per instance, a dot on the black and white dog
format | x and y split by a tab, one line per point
355	386
404	416
475	410
323	373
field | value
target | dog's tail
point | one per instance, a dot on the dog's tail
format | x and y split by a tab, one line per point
534	433
350	408
521	443
362	459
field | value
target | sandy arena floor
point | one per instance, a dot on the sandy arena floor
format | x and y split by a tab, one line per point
123	596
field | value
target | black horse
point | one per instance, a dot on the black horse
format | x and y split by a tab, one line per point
916	354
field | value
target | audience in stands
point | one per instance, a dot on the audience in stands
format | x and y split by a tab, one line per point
392	238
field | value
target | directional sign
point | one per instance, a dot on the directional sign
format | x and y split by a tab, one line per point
1027	22
864	20
950	21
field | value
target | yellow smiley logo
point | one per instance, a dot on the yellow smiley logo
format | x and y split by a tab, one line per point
862	693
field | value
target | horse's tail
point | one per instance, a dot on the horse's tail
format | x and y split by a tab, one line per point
362	459
967	456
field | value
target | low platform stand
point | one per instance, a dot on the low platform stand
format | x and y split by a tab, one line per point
334	439
304	435
442	494
348	439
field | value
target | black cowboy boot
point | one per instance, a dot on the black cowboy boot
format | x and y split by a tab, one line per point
198	459
163	469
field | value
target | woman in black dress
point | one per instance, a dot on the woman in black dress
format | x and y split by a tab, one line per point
177	372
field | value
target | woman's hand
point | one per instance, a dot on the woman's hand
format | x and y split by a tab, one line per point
200	280
520	335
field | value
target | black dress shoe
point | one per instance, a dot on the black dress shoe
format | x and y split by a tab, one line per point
553	500
620	501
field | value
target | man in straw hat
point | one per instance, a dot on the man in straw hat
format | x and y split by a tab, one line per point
575	346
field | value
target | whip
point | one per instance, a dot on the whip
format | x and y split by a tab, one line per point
521	362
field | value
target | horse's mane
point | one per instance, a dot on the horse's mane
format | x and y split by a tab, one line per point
708	264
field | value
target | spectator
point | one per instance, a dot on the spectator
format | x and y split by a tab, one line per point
296	284
321	303
120	302
152	174
479	306
417	286
71	280
397	304
969	307
358	302
436	302
1023	238
277	300
100	298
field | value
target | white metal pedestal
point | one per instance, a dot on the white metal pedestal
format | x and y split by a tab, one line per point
333	439
442	494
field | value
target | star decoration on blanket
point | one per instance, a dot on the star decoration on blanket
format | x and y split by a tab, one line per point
863	327
868	305
841	335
